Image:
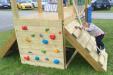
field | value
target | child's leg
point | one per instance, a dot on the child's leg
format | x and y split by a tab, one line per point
99	42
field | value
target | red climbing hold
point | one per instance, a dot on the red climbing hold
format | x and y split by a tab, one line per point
27	58
24	28
52	36
60	32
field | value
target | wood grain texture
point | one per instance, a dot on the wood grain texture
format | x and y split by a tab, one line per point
36	24
4	49
91	57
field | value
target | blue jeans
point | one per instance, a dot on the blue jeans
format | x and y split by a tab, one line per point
99	42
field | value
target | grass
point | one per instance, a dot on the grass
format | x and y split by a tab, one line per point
11	65
104	10
4	36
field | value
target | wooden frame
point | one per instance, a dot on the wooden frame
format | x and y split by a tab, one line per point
86	46
34	36
7	45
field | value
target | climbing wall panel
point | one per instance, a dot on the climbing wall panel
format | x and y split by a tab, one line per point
85	44
41	43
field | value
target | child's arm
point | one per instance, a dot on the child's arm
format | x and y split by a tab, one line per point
90	28
79	27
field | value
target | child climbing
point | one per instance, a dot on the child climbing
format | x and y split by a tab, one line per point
97	33
89	10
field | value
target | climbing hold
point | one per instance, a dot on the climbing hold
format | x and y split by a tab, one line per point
60	32
56	61
27	58
47	29
33	35
45	41
37	58
24	28
47	59
29	52
44	59
43	51
56	51
41	35
28	39
52	36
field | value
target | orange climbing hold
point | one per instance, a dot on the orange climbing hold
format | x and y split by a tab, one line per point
56	51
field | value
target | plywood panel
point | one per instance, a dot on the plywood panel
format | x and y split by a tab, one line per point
92	56
30	40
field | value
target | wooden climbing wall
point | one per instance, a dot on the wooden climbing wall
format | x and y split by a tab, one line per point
40	36
41	43
85	44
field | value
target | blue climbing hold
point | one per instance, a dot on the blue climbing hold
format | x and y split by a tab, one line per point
45	41
37	58
56	61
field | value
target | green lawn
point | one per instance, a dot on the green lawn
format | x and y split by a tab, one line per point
4	36
106	11
11	65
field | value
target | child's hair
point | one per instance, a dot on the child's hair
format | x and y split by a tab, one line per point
85	24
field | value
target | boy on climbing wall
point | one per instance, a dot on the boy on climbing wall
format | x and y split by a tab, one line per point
97	33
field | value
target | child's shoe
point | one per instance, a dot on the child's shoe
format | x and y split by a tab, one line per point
102	52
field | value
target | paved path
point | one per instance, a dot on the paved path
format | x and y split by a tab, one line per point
6	22
102	15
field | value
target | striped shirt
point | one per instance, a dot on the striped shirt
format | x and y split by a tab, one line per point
94	30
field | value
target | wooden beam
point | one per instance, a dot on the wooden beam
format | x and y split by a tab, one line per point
14	8
39	6
86	10
10	41
60	10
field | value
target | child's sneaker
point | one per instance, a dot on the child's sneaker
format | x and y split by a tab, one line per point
98	51
102	52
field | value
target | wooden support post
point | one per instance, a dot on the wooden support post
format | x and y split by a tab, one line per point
86	11
60	10
14	8
76	10
39	6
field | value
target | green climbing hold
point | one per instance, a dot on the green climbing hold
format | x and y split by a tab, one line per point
43	51
47	29
29	52
33	35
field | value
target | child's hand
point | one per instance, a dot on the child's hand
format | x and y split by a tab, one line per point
78	27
